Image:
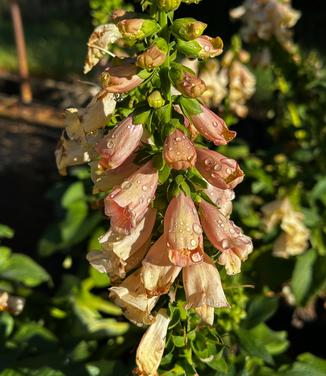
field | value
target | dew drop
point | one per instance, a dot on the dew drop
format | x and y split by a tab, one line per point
225	244
110	144
228	171
215	123
197	228
196	257
208	162
193	242
144	188
178	139
217	167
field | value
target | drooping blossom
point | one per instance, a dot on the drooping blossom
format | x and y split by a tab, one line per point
127	204
183	232
98	43
104	180
203	288
133	29
263	19
186	82
242	85
203	47
188	28
131	296
151	347
211	126
121	253
119	144
179	152
294	237
218	170
222	198
121	77
226	237
158	273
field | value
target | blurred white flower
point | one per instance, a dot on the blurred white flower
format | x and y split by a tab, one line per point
294	237
264	19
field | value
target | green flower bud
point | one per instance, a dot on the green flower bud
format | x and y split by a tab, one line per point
155	99
188	28
203	47
186	82
134	29
168	5
154	56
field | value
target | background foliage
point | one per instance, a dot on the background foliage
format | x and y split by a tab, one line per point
69	327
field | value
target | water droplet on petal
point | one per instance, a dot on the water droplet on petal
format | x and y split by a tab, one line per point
217	167
144	188
110	144
225	244
228	171
197	228
196	257
208	162
193	242
178	139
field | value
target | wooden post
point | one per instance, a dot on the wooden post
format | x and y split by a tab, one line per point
25	87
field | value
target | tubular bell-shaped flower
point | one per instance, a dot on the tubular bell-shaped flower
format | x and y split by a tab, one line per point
132	298
186	82
119	144
222	198
212	126
179	152
158	273
98	42
225	236
151	346
183	232
203	288
218	170
122	77
127	204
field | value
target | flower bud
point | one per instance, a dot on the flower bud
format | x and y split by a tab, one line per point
188	28
154	56
186	82
155	99
218	170
179	152
168	5
121	78
203	47
134	29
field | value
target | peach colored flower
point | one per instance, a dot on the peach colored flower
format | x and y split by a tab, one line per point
158	273
218	170
121	78
222	198
151	347
132	298
212	126
106	180
225	236
127	204
119	144
203	288
179	152
183	232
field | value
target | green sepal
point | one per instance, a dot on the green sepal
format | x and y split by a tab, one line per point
190	49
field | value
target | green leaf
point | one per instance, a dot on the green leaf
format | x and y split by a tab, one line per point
4	257
179	341
6	232
275	342
22	268
142	117
306	365
190	106
252	346
6	324
164	174
260	309
303	275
